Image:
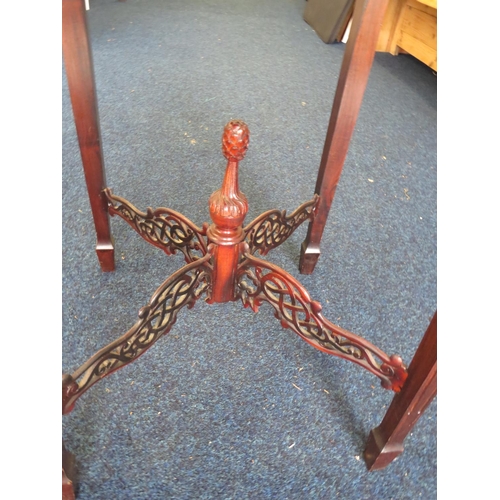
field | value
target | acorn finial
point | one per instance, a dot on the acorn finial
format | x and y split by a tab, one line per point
235	139
228	205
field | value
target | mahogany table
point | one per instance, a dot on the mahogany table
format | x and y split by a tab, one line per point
221	263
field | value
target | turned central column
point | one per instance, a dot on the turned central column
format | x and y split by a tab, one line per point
228	208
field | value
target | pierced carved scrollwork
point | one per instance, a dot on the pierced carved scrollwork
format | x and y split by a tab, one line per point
163	228
273	227
182	289
259	281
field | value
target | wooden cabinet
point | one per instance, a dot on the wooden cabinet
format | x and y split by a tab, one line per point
411	26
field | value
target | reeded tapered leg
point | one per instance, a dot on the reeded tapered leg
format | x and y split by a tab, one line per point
356	66
385	442
80	75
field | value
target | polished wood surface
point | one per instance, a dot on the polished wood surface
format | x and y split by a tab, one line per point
353	78
228	207
80	75
227	270
385	442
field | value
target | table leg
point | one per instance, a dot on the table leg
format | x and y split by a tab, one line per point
80	75
385	442
68	469
356	65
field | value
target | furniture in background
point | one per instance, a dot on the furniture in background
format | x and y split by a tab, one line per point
408	26
328	18
220	261
411	26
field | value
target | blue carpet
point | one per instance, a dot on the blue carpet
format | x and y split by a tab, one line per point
229	405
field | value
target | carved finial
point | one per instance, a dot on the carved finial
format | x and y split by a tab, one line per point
235	139
228	206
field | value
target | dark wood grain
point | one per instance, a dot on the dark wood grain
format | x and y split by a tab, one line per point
228	207
80	75
385	442
180	290
259	281
225	272
163	228
353	78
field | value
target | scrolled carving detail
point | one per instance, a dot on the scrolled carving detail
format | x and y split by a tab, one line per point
163	228
259	281
182	289
273	227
